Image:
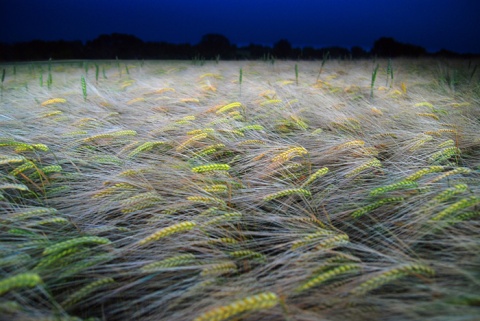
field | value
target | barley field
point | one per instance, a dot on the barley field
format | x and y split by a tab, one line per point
252	190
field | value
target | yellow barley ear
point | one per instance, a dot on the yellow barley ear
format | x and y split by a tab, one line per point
261	301
54	101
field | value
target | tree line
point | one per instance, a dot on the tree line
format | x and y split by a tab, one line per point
211	46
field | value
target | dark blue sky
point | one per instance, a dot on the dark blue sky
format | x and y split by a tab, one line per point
433	24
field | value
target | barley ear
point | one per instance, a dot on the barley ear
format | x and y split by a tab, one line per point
323	277
74	242
22	280
175	228
265	300
391	275
86	290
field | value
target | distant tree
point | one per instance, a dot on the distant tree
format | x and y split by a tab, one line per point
446	53
32	50
115	45
282	49
65	49
258	51
358	52
336	52
389	47
213	44
310	53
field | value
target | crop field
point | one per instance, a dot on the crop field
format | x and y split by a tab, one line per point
243	190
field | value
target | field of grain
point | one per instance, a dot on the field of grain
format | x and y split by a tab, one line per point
277	190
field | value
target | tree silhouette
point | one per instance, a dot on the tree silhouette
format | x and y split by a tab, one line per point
116	45
359	52
213	44
282	49
389	47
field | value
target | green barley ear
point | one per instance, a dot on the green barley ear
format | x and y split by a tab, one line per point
118	66
314	176
368	208
49	80
455	207
86	290
372	163
296	74
217	269
406	184
174	261
75	242
389	73
324	60
96	72
126	69
210	168
323	277
374	76
103	73
472	74
41	80
84	88
417	175
240	79
3	75
391	275
22	280
172	229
